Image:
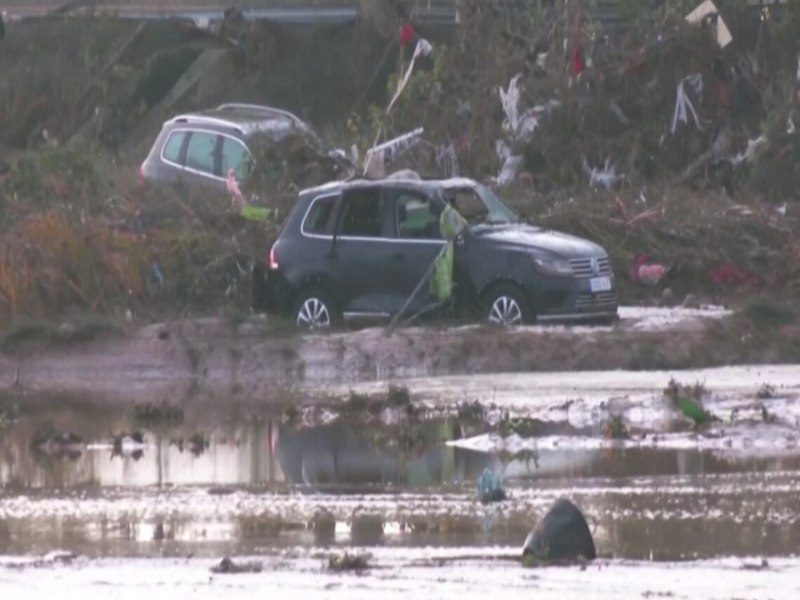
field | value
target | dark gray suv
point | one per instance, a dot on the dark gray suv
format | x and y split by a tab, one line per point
361	247
202	147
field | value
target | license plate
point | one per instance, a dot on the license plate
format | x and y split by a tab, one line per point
600	284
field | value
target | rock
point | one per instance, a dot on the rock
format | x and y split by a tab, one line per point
563	535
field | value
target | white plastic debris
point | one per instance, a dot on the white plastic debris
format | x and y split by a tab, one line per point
708	12
423	48
521	126
376	158
607	176
510	101
683	104
750	152
447	160
511	163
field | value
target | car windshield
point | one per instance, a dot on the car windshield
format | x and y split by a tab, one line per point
479	205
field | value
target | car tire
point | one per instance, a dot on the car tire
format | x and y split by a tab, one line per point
314	309
506	305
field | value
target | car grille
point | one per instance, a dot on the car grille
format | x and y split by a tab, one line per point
582	267
600	300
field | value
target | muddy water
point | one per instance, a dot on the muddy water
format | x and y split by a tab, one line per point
403	488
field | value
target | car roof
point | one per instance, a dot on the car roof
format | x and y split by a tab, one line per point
335	187
245	119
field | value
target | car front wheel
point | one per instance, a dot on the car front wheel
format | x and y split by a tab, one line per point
507	305
314	310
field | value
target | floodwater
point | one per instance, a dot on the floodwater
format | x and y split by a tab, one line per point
674	511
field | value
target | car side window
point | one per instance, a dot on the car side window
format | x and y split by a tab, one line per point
363	210
200	152
416	218
235	156
172	149
320	217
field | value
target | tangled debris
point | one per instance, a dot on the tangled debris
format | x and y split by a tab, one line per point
666	140
348	562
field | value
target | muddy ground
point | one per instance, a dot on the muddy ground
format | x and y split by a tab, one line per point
256	358
675	510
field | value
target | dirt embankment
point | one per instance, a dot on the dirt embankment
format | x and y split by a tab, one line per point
257	360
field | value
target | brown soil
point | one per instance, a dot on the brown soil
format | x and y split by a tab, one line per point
256	361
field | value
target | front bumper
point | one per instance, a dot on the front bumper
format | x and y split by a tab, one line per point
571	299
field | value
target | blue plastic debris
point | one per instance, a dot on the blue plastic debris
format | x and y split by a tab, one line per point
155	271
489	489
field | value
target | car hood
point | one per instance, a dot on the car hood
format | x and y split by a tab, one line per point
535	238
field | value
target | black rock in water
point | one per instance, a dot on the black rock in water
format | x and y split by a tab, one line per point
562	535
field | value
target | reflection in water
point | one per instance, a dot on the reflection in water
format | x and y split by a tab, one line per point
264	451
371	485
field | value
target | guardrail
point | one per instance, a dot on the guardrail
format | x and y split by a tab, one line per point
300	11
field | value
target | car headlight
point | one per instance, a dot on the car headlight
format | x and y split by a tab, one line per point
553	266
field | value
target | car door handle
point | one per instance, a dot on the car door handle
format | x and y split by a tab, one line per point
398	256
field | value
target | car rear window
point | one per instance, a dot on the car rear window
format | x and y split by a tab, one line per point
172	149
234	156
319	219
200	152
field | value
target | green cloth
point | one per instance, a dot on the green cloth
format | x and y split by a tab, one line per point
450	224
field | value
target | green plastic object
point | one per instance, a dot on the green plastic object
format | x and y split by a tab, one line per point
254	213
692	409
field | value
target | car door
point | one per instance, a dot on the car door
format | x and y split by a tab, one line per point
417	242
360	252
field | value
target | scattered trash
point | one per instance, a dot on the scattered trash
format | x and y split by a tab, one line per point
521	126
406	33
727	274
510	166
489	488
766	392
750	152
379	157
563	535
447	161
683	104
128	445
607	176
510	100
232	186
645	270
348	562
689	400
615	429
155	272
254	213
227	566
423	48
707	13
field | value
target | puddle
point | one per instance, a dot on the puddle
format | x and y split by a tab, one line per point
205	484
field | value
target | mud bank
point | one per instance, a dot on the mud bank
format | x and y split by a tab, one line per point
402	573
255	358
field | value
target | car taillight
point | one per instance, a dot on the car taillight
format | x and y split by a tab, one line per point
272	260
